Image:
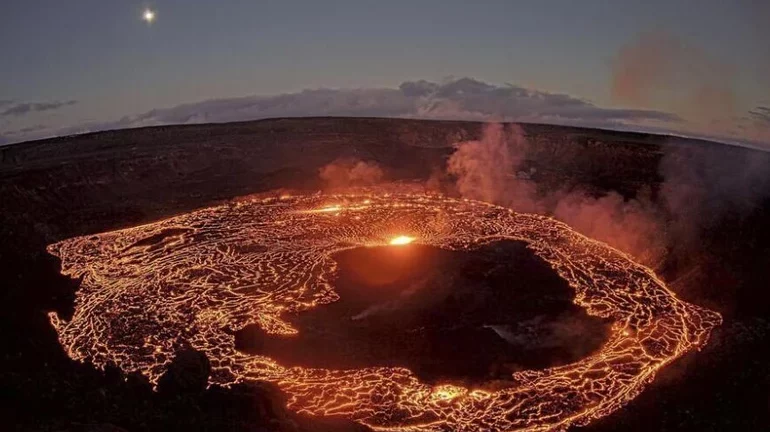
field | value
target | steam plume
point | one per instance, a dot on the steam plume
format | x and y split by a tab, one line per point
486	170
343	173
704	184
493	170
700	186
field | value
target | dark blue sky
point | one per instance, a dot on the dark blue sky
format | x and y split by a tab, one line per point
86	64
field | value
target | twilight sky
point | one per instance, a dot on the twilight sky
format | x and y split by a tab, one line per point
696	67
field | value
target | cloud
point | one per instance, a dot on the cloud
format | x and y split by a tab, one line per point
761	115
13	135
23	108
33	128
418	88
462	98
466	96
459	99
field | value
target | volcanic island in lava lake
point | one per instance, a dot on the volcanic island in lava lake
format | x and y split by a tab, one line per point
196	280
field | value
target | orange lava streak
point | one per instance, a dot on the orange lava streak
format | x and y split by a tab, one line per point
193	279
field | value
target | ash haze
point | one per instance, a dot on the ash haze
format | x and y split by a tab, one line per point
687	67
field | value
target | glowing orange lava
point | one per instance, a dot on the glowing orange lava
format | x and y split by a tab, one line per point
194	279
401	240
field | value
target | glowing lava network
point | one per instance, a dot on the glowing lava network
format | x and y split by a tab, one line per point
194	279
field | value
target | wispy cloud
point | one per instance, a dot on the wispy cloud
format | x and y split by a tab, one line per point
16	135
761	114
19	109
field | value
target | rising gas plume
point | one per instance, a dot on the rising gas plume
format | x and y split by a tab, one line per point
700	185
493	169
350	172
658	67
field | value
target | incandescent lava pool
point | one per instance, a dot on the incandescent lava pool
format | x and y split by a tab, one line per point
399	311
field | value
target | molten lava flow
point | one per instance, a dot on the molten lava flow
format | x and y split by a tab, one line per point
401	240
195	279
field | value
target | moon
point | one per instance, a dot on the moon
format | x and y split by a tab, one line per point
148	15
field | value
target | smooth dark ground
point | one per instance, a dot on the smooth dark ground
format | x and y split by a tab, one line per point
55	189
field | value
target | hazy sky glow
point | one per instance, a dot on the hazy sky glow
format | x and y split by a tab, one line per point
86	65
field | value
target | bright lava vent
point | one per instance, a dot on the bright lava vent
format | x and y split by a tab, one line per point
401	240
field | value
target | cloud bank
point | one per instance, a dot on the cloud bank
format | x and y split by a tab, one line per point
458	99
761	114
644	69
464	98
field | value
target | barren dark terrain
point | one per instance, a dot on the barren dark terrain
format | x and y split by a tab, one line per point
59	188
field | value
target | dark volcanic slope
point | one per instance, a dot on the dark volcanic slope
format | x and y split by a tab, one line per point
58	188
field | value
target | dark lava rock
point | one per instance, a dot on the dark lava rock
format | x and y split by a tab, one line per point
459	316
188	373
250	339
